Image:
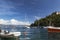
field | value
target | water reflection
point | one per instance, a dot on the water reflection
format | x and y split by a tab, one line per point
34	34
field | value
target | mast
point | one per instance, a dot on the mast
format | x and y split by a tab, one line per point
50	23
38	23
26	20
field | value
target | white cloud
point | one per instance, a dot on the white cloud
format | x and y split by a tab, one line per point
3	21
36	17
13	22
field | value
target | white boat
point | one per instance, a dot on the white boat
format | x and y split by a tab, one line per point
6	33
15	33
27	26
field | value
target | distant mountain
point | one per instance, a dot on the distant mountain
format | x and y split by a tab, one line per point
52	20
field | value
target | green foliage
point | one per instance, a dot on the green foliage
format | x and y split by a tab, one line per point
52	20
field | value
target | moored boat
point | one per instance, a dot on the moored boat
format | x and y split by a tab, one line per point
9	35
53	29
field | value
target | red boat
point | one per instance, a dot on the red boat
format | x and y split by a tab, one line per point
53	29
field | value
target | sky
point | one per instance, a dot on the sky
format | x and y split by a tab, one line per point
26	11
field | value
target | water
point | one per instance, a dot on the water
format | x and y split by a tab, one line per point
30	33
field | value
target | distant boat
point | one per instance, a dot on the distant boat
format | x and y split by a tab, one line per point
27	26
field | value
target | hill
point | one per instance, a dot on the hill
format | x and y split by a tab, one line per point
52	20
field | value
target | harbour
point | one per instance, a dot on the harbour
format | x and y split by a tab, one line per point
29	19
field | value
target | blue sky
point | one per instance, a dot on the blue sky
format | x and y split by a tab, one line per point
31	9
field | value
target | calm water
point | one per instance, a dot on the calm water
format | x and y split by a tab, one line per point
30	33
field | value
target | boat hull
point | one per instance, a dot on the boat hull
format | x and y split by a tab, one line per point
53	30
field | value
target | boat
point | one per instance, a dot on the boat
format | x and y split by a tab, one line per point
53	29
9	35
27	27
3	32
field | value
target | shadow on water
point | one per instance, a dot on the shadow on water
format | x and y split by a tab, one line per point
54	35
2	38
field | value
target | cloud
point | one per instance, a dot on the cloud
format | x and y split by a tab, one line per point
36	17
13	22
2	21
